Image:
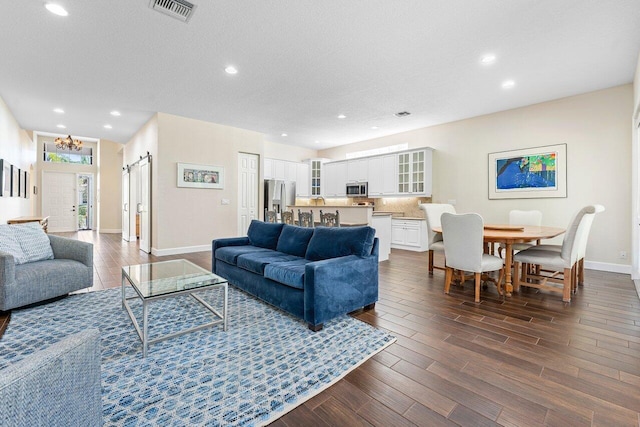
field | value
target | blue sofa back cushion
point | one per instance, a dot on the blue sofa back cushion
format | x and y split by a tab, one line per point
264	234
294	240
333	242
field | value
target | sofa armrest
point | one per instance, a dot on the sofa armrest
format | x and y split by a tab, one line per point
7	275
227	241
57	386
339	285
66	248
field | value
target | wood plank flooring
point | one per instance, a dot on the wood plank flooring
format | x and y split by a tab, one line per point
523	361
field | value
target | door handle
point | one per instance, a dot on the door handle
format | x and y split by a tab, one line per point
139	207
126	207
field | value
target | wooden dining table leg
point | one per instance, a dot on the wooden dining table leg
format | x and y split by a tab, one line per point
508	261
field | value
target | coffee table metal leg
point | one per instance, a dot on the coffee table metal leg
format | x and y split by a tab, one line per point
145	332
122	286
224	308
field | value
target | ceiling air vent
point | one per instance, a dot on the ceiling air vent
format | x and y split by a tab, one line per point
179	9
402	114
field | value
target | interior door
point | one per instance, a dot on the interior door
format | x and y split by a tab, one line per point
144	205
125	206
59	201
248	195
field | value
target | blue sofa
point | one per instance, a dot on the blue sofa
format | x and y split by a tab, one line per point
315	274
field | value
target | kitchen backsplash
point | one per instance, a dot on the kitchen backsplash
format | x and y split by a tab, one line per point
403	206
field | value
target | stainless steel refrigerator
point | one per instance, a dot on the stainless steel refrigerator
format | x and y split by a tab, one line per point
278	194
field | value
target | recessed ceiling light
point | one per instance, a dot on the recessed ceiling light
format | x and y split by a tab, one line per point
58	110
115	113
508	84
56	9
231	70
374	127
317	142
488	59
61	126
108	127
342	116
284	134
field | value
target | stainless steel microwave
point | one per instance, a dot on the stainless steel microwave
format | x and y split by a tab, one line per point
357	189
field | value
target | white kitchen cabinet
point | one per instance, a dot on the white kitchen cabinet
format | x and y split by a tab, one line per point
414	173
290	171
316	175
303	188
409	234
382	175
357	170
335	182
279	169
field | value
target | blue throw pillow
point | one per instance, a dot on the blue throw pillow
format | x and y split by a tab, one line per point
264	234
333	242
294	240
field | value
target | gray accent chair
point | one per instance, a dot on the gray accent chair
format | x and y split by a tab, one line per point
566	261
433	212
463	237
32	282
57	386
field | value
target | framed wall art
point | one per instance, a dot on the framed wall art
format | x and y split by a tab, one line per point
5	178
25	184
15	181
537	172
200	176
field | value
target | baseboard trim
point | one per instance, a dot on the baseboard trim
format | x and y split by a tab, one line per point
110	230
609	267
182	250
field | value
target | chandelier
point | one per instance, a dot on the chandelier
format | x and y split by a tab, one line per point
68	143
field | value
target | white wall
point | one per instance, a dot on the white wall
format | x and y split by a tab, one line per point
595	127
109	193
16	148
292	153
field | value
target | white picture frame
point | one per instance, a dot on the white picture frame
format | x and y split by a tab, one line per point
529	173
200	176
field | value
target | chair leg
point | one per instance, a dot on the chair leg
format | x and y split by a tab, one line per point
515	280
430	263
566	290
581	272
477	277
447	279
574	278
500	279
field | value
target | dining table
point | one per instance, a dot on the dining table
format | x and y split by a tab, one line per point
510	234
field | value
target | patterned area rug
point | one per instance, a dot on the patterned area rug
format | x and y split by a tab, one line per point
266	364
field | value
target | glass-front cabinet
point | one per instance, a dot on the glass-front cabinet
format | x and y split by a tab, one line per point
316	172
412	170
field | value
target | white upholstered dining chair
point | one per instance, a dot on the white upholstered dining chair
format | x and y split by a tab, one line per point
561	262
464	250
433	212
520	217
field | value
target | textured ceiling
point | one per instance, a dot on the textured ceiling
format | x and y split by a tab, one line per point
303	62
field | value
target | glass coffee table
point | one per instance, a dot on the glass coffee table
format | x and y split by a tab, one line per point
166	279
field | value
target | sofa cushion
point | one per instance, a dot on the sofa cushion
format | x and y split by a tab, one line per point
9	243
294	240
230	254
333	242
34	241
290	273
264	234
256	262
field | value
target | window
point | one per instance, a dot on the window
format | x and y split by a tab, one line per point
55	155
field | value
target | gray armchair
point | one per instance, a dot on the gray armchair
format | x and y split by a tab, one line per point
31	282
57	386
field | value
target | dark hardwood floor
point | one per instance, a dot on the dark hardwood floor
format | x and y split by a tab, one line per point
522	361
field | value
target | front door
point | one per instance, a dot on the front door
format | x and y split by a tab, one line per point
59	200
144	205
125	206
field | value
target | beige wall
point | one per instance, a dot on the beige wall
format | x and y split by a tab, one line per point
187	219
275	150
109	186
16	148
595	127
